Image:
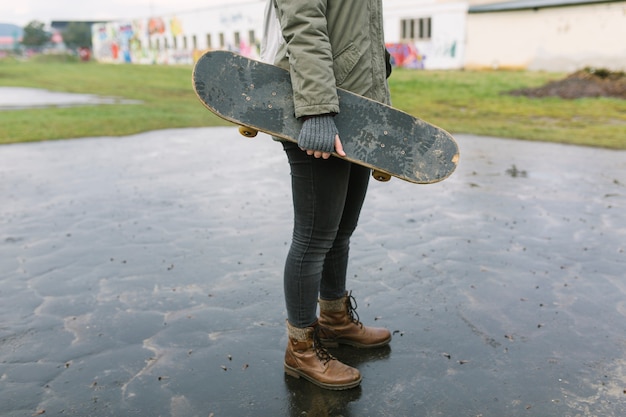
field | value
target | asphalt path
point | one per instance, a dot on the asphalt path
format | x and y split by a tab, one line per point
142	275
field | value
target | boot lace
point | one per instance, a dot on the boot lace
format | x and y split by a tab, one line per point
351	305
320	351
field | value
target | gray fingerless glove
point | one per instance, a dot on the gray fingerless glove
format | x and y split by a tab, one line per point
318	134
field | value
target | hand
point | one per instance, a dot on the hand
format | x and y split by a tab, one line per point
326	155
319	137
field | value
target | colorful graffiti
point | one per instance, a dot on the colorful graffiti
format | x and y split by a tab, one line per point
119	42
446	49
158	40
405	55
156	26
141	41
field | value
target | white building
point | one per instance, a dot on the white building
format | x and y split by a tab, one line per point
436	29
180	38
552	35
558	35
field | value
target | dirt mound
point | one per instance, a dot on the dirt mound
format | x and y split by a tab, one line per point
588	82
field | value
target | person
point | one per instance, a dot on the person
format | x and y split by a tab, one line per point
326	44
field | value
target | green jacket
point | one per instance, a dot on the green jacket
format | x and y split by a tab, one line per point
329	44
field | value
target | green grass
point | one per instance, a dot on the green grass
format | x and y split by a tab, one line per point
459	101
476	102
168	100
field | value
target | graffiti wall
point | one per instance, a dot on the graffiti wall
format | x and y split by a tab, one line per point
405	55
435	40
426	35
147	41
438	54
181	38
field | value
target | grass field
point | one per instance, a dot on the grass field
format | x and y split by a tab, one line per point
459	101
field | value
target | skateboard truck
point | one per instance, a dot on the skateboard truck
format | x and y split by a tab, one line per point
380	176
248	131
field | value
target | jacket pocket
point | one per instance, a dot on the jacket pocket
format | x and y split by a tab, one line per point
344	62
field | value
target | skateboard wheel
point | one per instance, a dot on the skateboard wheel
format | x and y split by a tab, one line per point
247	132
381	176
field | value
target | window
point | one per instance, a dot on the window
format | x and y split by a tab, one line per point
252	37
222	40
416	29
424	25
408	29
209	44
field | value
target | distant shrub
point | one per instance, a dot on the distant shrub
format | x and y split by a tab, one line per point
45	58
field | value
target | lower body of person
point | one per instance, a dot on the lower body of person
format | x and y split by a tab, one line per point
327	200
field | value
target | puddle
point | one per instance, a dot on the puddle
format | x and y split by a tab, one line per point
19	98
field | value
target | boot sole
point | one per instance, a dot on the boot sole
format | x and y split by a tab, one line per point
335	387
333	343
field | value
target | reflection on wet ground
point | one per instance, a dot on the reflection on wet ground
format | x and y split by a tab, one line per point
17	98
142	276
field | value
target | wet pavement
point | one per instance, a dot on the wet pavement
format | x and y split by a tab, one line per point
141	276
17	98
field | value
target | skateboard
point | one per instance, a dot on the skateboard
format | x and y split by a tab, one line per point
259	97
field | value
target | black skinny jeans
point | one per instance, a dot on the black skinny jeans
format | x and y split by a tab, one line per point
327	200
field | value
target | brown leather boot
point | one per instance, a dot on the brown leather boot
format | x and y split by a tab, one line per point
339	323
305	357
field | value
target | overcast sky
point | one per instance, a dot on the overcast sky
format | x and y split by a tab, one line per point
20	12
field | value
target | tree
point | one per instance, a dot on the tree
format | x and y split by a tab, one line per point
35	36
77	35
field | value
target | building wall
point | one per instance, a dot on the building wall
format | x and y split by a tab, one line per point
551	39
445	48
181	38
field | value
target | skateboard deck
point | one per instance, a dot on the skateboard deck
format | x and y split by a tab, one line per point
259	97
